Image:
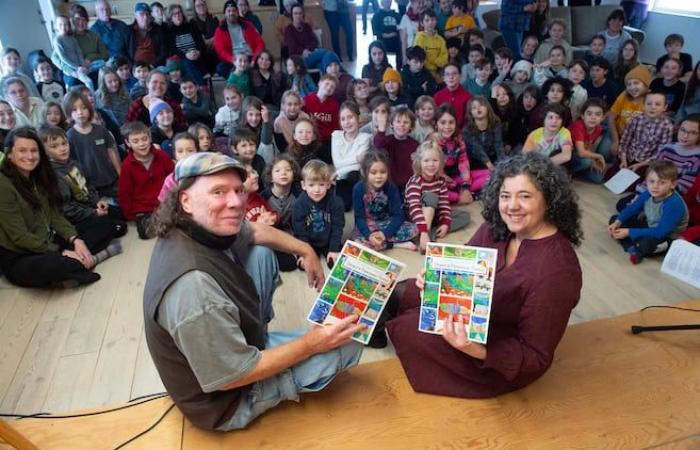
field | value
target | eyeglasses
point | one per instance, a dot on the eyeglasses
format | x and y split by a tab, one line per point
690	132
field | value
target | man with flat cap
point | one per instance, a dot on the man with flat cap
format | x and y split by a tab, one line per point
206	326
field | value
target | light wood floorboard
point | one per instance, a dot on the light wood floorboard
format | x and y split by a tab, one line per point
68	349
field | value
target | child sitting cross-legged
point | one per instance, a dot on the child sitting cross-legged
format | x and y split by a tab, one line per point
379	218
659	215
143	172
317	216
426	196
456	161
97	223
588	159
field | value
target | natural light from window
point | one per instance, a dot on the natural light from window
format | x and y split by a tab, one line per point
690	7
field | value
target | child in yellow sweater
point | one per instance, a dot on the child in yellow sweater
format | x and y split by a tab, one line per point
434	45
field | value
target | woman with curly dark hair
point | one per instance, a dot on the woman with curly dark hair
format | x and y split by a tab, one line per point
532	218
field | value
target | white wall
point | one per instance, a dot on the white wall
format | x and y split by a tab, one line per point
22	27
659	25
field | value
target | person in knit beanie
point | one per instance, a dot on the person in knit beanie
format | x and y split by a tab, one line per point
628	104
392	87
163	128
155	107
640	73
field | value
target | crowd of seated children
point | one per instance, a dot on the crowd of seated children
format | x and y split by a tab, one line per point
427	132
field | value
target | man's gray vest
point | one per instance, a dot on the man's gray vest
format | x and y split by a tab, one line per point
174	256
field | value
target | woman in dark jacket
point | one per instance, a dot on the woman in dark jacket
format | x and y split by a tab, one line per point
266	83
185	41
38	246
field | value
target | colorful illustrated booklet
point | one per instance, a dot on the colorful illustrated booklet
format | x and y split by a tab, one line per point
458	280
360	283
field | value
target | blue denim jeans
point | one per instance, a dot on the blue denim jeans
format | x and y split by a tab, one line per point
336	21
513	40
584	166
310	375
261	264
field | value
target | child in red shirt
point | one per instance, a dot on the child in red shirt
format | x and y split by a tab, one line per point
257	209
323	108
142	175
589	159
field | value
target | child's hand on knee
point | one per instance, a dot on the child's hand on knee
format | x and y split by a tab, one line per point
441	231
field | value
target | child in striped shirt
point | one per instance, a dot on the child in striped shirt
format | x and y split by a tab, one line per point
427	196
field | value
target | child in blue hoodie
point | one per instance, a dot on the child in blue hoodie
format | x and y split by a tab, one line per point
318	215
656	217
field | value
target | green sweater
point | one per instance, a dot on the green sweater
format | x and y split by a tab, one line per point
25	230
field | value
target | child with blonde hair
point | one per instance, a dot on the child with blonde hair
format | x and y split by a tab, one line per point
317	215
427	196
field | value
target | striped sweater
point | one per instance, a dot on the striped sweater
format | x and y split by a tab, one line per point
415	188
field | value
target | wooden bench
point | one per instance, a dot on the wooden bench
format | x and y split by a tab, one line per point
606	389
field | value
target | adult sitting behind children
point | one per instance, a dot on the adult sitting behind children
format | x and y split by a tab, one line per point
532	218
206	327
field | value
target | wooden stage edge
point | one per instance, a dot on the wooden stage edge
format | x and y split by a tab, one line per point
607	388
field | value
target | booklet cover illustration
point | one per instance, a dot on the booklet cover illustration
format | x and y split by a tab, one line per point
458	280
360	283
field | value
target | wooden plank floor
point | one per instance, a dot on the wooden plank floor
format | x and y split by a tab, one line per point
68	349
607	389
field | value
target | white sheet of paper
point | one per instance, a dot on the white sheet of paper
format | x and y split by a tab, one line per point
682	261
621	181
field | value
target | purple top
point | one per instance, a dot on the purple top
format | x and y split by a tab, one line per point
532	302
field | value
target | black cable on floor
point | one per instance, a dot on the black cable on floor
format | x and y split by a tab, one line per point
44	415
125	443
669	307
